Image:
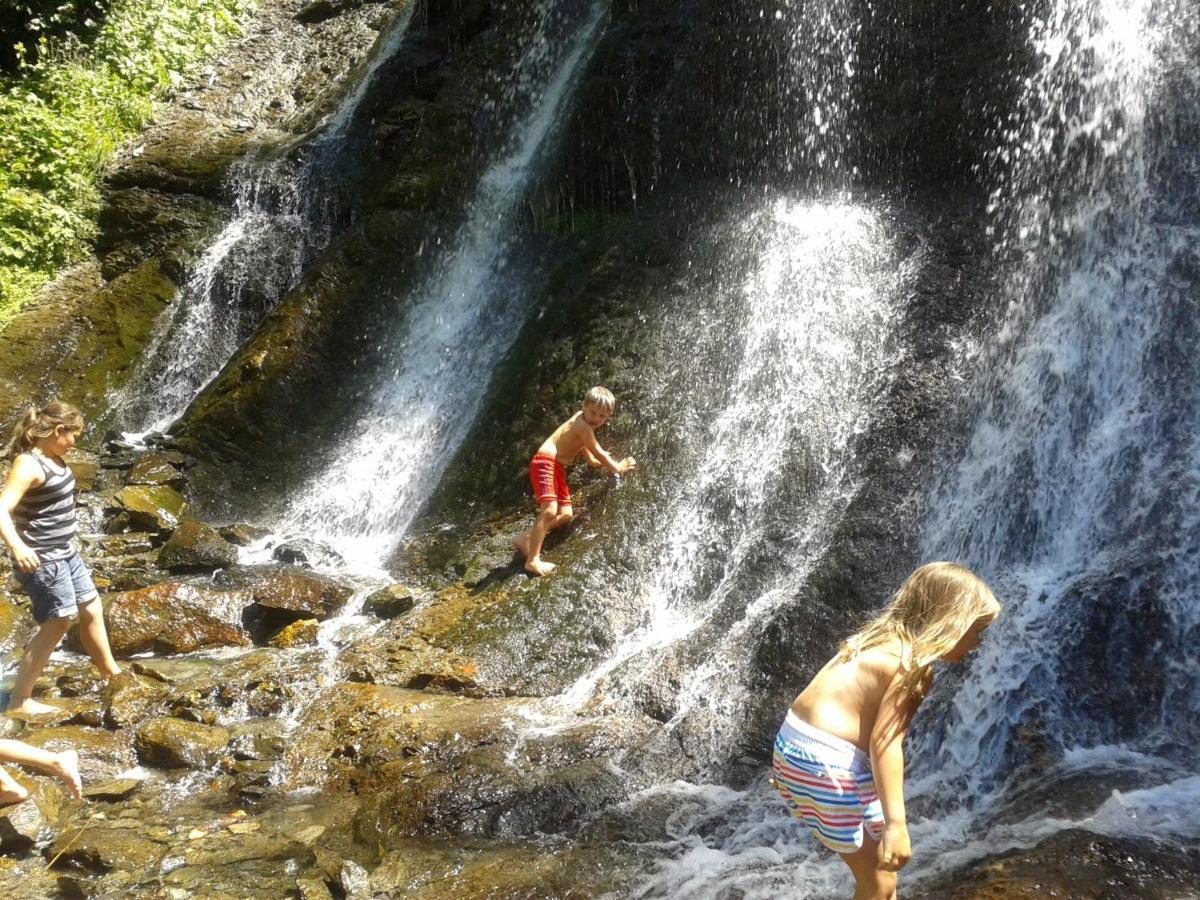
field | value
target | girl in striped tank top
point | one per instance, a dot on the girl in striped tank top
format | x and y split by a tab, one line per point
839	760
37	521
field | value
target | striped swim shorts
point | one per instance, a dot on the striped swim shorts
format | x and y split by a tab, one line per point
827	784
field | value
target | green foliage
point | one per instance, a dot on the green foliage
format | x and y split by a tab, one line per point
63	116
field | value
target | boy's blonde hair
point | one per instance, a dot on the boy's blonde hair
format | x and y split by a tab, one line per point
36	424
934	608
602	398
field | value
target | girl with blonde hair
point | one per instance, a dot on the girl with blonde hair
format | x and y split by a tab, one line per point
839	759
38	523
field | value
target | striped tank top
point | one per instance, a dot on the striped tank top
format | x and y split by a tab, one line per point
45	517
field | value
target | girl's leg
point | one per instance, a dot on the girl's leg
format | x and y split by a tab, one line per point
870	882
37	654
63	765
94	637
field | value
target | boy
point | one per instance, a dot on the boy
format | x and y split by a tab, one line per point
574	436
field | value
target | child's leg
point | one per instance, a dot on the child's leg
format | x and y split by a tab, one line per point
565	513
37	654
63	765
546	517
11	791
870	882
94	637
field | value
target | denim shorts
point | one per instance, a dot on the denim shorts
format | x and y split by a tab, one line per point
57	589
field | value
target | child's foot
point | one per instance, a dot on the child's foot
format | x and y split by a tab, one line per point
521	544
31	707
66	767
16	794
539	567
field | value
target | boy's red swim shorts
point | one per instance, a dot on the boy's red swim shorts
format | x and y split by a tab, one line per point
549	480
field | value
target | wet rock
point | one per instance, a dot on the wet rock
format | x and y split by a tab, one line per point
151	507
390	602
160	467
261	739
129	698
171	743
306	553
1076	864
105	847
242	535
172	617
21	826
121	544
313	887
112	790
194	546
298	633
282	596
104	753
85	472
354	879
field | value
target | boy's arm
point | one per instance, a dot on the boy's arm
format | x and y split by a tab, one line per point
592	459
887	763
592	446
20	478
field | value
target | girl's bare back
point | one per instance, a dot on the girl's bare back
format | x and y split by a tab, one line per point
843	699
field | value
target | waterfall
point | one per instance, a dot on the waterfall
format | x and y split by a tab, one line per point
1076	493
453	329
812	319
1078	490
284	212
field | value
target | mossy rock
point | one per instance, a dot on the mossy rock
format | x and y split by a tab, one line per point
171	743
153	507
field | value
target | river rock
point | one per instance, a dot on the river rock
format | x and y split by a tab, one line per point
242	535
282	596
112	790
160	467
154	507
85	472
129	698
173	617
298	633
105	753
194	546
103	847
171	743
390	602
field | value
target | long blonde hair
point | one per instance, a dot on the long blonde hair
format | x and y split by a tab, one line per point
934	608
36	424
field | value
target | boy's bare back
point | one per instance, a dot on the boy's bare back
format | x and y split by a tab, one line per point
844	697
569	439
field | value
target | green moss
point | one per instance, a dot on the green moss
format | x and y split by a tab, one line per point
63	117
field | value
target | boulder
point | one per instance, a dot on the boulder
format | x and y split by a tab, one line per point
390	602
298	633
170	743
151	507
105	847
112	790
160	467
85	472
130	697
242	534
194	546
283	596
172	617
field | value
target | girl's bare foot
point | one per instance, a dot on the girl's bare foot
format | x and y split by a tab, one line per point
521	544
31	707
66	767
538	567
16	794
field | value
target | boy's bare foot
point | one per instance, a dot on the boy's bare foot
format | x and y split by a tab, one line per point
521	544
66	767
539	567
31	707
16	794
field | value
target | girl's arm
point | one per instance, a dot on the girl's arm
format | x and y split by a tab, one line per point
21	477
887	763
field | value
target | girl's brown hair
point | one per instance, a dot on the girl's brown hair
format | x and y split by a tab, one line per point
36	424
934	608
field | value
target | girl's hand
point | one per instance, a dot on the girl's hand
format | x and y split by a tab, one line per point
27	561
895	849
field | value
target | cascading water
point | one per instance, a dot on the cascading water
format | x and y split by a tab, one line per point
813	317
454	329
285	211
1076	494
1078	490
